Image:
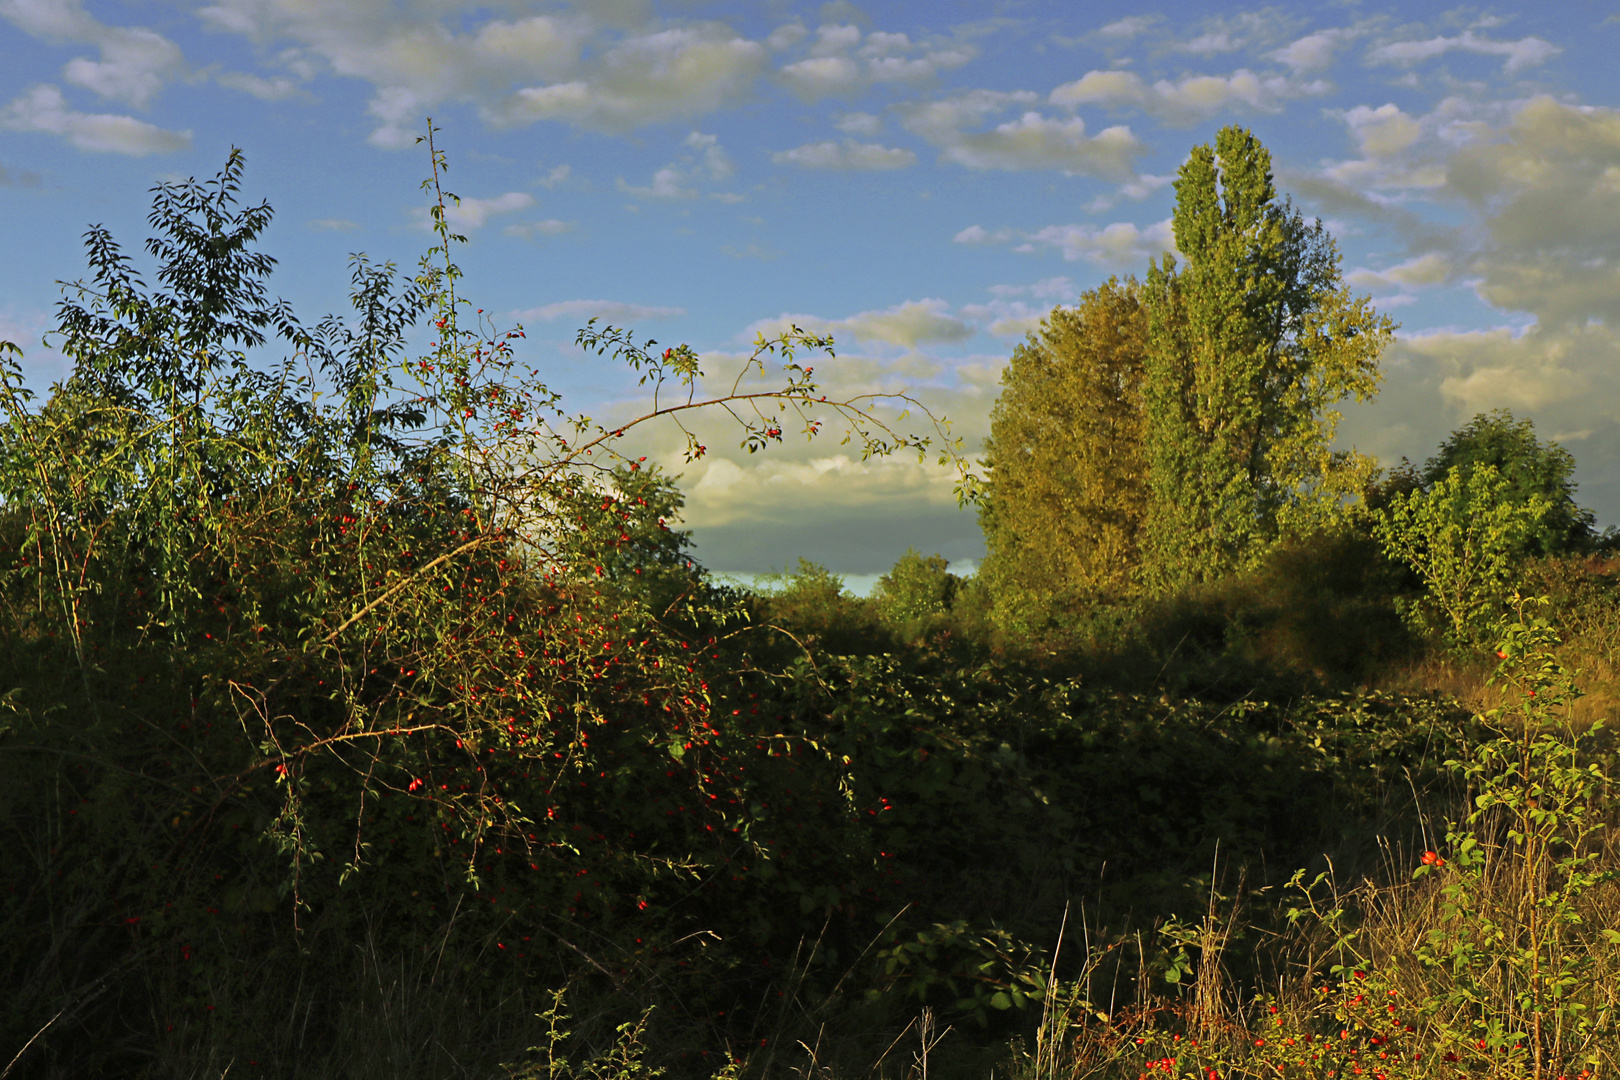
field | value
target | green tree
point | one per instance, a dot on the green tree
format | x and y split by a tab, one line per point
1252	342
1461	535
916	593
1529	469
1066	493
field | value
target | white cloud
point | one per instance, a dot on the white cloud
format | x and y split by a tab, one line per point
1218	41
978	234
820	76
279	88
558	174
666	75
918	69
1119	244
859	123
1382	132
43	109
475	213
594	67
712	160
1536	185
333	225
1006	318
836	66
134	61
834	39
1191	100
666	184
1314	52
786	36
1129	27
1526	52
1052	288
846	155
1032	141
1500	368
531	229
611	311
910	324
1421	272
705	160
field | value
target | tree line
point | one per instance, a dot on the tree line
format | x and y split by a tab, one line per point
1170	432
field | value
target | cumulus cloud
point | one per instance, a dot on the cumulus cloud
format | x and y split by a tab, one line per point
705	160
611	311
667	183
558	174
42	108
1217	41
1421	272
1052	288
279	88
908	325
1119	244
530	229
840	61
978	234
475	213
1006	318
1403	153
1189	101
846	155
593	67
1314	52
1382	132
1539	192
1031	141
1518	55
1548	189
667	75
1129	27
134	61
859	123
819	76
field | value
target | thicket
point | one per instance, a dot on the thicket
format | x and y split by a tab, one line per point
367	713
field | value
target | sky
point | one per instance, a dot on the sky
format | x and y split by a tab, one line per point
923	181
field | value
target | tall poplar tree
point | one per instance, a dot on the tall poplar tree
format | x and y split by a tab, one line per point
1066	493
1252	342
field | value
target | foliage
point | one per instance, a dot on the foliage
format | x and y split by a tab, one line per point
1251	344
359	708
1461	536
355	646
1066	496
1319	609
812	606
1493	958
1519	980
1530	470
916	593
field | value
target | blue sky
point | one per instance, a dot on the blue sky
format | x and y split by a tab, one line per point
924	181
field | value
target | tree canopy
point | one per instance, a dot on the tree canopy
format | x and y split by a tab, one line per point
1529	469
1067	493
1252	342
1164	433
